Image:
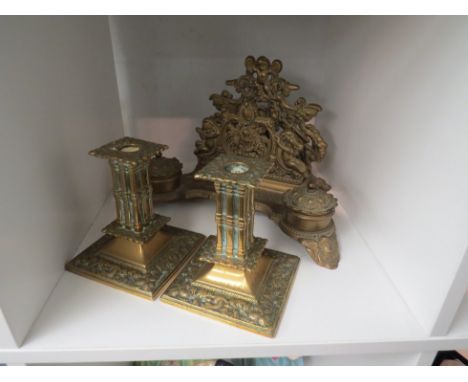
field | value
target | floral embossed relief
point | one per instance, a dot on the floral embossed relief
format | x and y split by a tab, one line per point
261	316
260	123
91	262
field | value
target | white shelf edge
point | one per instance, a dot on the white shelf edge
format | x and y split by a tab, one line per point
322	349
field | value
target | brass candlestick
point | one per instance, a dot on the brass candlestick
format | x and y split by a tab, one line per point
139	253
233	278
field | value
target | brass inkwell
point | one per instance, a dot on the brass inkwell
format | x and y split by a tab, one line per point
139	253
233	278
261	124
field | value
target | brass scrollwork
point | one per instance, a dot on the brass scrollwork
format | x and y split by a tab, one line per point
260	123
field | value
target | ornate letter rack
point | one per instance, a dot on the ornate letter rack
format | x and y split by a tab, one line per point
139	253
261	124
233	278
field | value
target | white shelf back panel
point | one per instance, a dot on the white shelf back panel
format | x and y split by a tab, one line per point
58	100
168	66
396	116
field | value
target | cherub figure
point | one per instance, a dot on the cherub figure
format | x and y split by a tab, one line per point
209	133
291	147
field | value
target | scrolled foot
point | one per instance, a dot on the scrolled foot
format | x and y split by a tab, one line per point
324	250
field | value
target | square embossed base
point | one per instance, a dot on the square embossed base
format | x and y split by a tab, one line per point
261	316
148	283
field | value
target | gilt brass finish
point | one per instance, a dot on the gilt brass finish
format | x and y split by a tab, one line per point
165	174
139	253
233	278
261	124
308	218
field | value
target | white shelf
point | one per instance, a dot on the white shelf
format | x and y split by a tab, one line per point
354	309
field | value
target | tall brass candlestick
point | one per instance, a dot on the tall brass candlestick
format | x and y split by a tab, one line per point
139	253
233	278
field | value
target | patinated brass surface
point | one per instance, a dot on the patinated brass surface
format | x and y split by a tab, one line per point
144	281
232	277
165	174
261	316
139	253
308	218
260	123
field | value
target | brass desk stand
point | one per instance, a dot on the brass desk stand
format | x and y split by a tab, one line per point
139	253
260	122
233	278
